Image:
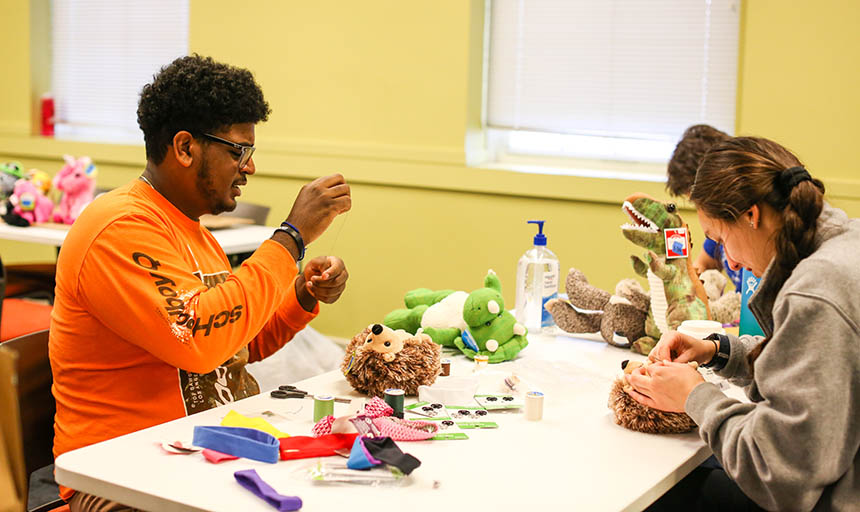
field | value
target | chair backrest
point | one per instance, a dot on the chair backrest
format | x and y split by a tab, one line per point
35	400
13	478
256	212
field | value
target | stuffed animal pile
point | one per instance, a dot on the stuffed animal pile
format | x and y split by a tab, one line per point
631	414
474	323
28	197
676	293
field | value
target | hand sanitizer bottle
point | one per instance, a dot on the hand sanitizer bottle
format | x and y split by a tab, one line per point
537	282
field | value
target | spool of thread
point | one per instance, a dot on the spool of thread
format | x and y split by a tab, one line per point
534	405
481	361
446	367
323	406
395	398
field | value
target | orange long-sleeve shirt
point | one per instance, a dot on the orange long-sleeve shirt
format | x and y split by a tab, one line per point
149	324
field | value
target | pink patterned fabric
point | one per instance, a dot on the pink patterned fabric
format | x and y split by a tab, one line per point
323	426
406	430
377	408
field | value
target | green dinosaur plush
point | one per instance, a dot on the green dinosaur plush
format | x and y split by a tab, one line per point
439	314
492	330
673	282
629	318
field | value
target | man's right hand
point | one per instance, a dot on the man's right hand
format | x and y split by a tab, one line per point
317	204
681	348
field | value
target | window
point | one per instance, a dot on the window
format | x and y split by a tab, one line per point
607	79
104	51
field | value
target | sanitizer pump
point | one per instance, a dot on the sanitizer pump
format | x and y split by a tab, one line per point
537	282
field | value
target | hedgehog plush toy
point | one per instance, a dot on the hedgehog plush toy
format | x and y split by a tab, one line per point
379	358
631	414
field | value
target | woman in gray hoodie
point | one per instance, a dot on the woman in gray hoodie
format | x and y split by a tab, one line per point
794	446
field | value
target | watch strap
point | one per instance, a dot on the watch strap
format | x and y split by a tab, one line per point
721	355
291	230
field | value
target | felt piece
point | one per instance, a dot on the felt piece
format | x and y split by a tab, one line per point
373	460
359	458
406	430
216	457
303	447
386	450
241	442
235	419
372	372
249	479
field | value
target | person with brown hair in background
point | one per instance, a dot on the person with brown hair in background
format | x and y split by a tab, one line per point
794	445
681	173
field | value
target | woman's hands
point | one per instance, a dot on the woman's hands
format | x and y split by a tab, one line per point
680	348
664	385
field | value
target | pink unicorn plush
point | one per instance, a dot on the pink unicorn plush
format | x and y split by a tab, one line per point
77	181
30	203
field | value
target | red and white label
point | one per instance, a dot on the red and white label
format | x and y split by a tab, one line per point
676	242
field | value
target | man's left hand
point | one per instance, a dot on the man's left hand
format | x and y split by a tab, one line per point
664	385
323	279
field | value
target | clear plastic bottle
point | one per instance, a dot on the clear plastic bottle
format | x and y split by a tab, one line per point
537	282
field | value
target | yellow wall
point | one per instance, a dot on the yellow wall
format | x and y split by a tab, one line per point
386	92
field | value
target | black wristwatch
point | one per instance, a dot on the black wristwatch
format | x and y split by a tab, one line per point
721	355
291	230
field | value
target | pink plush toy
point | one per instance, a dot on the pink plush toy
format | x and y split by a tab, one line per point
30	203
77	181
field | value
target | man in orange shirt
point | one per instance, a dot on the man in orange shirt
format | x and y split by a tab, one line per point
150	324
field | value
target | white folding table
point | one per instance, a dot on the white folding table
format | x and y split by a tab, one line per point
575	458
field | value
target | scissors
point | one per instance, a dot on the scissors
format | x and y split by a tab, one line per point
285	392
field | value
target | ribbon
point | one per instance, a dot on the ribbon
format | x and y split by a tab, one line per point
241	442
249	479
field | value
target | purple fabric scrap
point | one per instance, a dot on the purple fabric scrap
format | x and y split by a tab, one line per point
249	479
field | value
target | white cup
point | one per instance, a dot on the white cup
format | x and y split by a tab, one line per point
700	328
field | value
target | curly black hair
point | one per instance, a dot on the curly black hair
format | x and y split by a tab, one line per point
688	154
198	95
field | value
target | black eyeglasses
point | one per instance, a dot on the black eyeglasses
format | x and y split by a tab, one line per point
246	151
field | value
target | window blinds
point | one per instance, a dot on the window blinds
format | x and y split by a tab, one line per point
618	68
104	51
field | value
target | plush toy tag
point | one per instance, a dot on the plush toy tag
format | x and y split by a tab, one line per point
28	202
676	242
469	341
349	366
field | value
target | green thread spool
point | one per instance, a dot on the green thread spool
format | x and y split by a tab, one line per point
323	406
395	398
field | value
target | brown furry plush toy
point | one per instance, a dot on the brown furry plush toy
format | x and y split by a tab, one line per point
631	414
379	358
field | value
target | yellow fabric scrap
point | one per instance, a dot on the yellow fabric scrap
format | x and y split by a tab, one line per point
235	419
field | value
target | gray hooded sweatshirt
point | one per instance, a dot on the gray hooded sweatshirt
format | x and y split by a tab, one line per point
795	446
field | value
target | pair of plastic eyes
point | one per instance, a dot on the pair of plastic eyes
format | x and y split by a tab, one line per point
447	423
495	398
464	412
